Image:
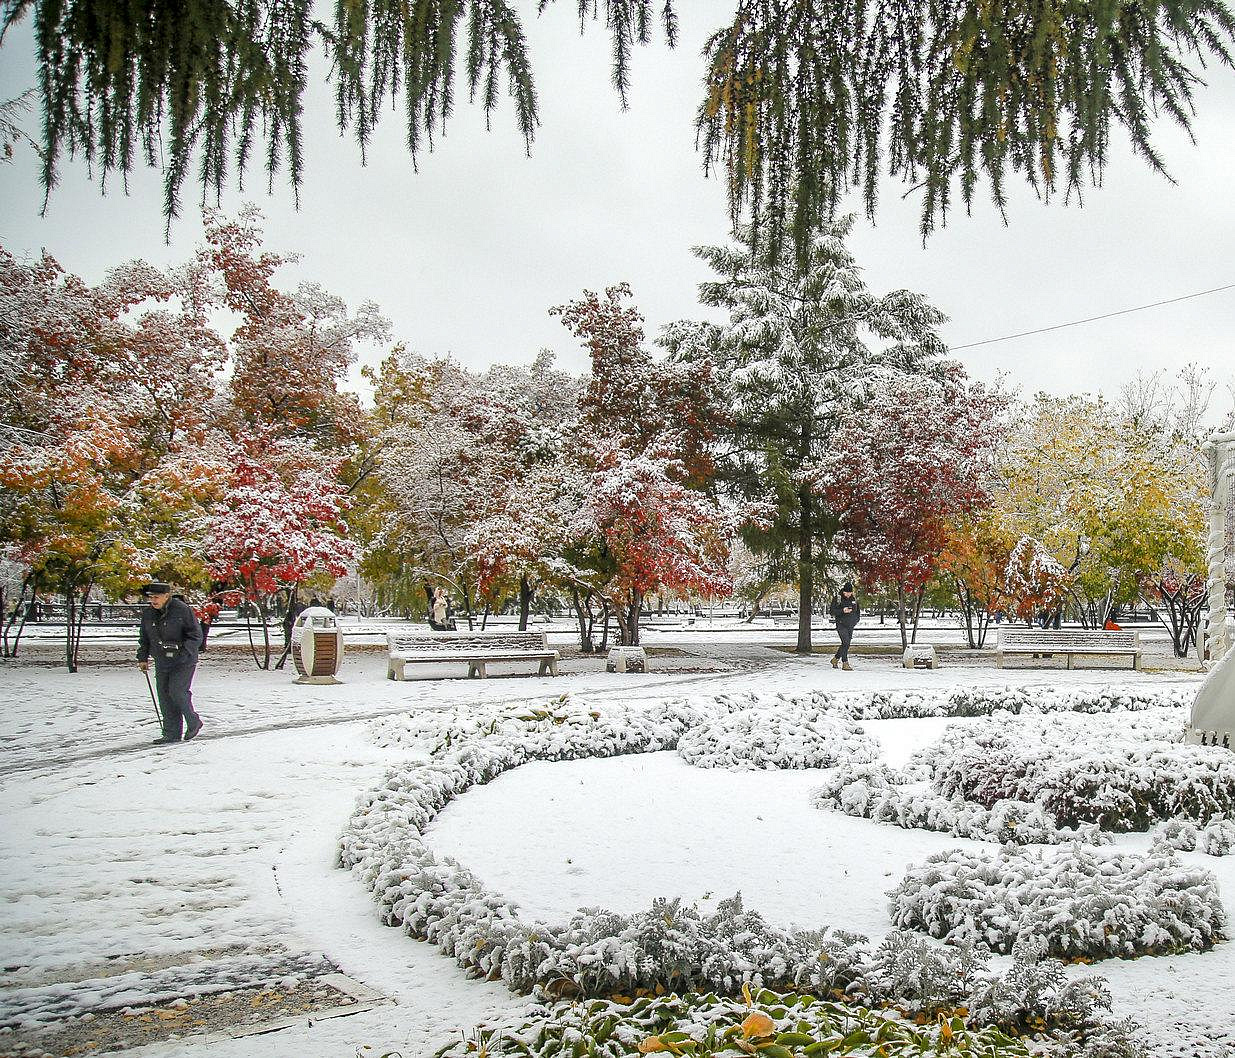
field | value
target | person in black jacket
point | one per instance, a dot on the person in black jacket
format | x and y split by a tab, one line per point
845	612
170	633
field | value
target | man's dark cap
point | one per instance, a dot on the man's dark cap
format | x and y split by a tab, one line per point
847	586
156	587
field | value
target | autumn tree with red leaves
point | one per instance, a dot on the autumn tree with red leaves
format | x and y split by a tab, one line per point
123	430
278	518
916	457
645	427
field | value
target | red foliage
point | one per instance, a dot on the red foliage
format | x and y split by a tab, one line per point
915	459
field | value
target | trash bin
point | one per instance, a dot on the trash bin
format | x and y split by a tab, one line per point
317	645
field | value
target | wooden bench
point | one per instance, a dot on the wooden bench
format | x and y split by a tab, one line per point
1070	642
477	649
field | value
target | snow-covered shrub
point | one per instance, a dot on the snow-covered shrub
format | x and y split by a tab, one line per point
441	730
1218	838
1121	774
707	1025
1077	901
911	971
886	795
1035	996
597	952
1175	834
791	737
986	701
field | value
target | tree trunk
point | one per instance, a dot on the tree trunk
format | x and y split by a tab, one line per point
289	619
526	591
581	615
19	618
630	631
917	613
263	611
900	612
806	571
604	627
77	623
70	621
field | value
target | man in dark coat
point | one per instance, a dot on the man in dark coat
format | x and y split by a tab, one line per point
170	633
845	612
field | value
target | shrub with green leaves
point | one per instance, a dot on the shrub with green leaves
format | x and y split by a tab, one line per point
770	1025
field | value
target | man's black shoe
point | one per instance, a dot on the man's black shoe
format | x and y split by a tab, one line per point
164	741
192	731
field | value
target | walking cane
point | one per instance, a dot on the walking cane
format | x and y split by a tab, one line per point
153	700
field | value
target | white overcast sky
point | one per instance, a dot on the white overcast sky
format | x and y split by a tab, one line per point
466	256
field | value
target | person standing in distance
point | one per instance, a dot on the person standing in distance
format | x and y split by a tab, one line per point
170	633
845	612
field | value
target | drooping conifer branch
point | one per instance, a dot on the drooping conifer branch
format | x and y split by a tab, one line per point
805	99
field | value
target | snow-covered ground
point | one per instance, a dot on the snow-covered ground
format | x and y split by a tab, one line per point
130	869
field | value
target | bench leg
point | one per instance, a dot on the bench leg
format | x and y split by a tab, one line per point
999	658
1136	661
1069	656
394	670
553	667
477	669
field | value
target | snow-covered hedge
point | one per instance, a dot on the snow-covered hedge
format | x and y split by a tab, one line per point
972	701
1218	838
442	729
1122	774
599	953
791	737
888	795
671	947
1075	900
439	730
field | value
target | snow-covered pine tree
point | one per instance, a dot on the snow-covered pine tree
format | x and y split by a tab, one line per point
805	345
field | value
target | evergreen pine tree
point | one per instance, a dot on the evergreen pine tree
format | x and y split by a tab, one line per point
802	346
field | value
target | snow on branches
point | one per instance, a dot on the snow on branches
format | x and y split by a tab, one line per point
914	458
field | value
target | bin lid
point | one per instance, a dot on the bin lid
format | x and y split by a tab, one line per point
317	617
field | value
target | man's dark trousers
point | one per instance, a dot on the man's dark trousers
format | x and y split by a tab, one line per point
176	698
846	635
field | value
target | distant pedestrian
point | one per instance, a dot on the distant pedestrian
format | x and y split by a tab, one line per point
171	635
846	613
439	611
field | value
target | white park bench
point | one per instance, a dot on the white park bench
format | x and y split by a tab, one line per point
477	649
1070	642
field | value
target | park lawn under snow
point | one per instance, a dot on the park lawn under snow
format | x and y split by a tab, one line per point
121	856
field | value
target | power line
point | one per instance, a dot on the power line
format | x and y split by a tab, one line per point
1092	319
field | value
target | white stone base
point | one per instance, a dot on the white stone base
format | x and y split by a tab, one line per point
322	680
627	659
920	657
